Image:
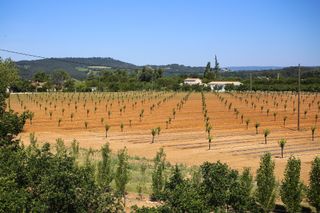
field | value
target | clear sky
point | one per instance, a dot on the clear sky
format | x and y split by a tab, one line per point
190	32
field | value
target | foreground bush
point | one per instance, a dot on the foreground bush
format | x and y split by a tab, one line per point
42	181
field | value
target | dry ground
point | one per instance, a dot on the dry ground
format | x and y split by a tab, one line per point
185	140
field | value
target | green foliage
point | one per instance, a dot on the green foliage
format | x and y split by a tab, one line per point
266	132
9	75
291	187
267	80
181	195
13	197
41	181
149	74
75	148
282	143
60	148
122	172
266	183
175	179
158	176
186	197
40	76
11	125
241	199
105	173
59	78
142	180
217	180
314	185
107	127
207	70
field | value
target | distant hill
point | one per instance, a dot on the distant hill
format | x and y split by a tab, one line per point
253	68
286	72
80	67
77	67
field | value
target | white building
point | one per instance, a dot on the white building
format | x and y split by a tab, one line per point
220	85
93	89
193	81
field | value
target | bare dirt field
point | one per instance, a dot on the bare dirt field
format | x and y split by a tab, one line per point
185	140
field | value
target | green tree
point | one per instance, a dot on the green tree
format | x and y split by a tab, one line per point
257	125
121	126
291	187
175	179
207	70
284	120
59	77
241	199
40	76
217	180
266	183
185	197
266	132
314	184
216	67
282	143
247	122
142	179
75	148
153	133
158	176
122	173
182	195
106	128
9	75
105	173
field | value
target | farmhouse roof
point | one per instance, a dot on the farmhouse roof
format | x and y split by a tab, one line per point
223	82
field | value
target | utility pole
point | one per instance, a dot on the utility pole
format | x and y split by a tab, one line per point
250	81
299	90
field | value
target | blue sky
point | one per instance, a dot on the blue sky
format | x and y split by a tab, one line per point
239	32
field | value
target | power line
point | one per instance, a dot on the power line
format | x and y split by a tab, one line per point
55	59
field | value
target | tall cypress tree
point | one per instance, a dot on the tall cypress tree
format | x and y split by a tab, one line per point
207	70
105	174
122	173
266	183
216	67
291	187
158	177
314	187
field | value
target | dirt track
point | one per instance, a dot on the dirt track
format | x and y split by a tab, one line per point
185	140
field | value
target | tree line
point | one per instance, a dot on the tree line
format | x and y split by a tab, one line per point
153	78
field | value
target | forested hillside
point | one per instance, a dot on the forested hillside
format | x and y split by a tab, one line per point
77	67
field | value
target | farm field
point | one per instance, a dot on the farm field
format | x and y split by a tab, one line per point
180	116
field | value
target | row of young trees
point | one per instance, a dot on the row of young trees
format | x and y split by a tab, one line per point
216	187
309	100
